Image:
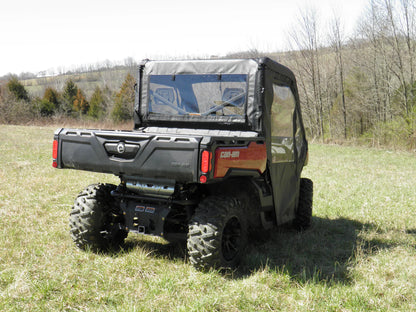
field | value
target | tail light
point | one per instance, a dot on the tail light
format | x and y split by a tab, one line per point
206	158
206	161
55	154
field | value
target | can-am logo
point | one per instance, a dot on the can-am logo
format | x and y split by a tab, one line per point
230	154
121	148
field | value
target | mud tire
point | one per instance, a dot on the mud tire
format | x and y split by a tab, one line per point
95	219
217	234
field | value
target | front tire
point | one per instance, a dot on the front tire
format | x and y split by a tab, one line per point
217	233
95	219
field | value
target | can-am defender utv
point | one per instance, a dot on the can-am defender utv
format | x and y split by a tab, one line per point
217	150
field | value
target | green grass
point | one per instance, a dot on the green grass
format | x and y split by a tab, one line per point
359	254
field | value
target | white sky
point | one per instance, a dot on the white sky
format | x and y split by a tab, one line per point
39	35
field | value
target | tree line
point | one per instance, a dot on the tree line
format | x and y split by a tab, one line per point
17	105
361	87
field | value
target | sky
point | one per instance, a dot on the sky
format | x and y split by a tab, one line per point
52	34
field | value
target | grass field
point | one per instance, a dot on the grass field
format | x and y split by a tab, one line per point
359	254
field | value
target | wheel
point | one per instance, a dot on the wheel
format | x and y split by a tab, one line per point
304	210
95	219
217	233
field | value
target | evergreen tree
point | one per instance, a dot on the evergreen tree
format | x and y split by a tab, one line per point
50	102
80	103
124	101
52	96
97	104
17	89
68	96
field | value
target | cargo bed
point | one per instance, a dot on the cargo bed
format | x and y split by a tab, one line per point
130	153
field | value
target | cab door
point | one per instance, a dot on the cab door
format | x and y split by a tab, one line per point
283	151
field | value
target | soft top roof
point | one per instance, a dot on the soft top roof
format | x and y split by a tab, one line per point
200	67
258	72
276	67
224	66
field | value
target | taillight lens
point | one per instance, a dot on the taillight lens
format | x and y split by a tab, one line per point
55	149
206	161
55	154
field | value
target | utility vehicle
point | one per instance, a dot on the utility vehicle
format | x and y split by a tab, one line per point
216	153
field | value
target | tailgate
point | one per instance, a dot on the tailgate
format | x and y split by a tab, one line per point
129	153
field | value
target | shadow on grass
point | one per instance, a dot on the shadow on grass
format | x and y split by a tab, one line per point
325	252
411	231
158	248
322	253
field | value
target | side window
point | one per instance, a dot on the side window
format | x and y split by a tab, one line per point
283	108
299	135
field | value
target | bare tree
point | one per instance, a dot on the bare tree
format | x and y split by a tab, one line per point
305	39
408	13
374	59
393	38
337	40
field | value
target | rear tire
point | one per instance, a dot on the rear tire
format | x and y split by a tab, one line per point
217	234
95	219
304	211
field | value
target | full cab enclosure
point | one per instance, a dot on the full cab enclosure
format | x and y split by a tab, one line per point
265	105
217	149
